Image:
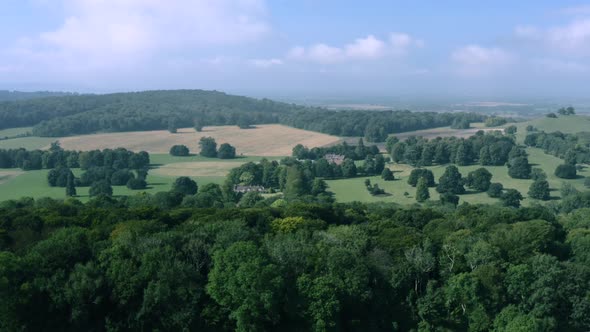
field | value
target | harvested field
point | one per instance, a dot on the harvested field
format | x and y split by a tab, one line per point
197	169
263	140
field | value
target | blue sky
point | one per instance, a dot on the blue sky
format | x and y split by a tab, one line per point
305	47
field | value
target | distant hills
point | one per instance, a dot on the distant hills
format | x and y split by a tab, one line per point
6	95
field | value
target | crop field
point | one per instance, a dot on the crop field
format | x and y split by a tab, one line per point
348	190
263	140
11	132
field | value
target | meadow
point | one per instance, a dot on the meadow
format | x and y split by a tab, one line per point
348	190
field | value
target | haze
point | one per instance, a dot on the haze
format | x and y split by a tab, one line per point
501	49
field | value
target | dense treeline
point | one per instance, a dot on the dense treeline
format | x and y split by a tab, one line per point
573	148
154	263
57	157
491	148
374	126
6	95
150	110
354	152
81	114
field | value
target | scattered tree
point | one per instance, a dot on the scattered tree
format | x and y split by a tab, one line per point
539	189
101	187
511	197
422	193
179	151
387	175
519	168
451	181
226	151
495	190
208	147
70	188
185	186
566	171
480	179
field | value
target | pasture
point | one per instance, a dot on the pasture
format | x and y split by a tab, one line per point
263	140
348	190
566	124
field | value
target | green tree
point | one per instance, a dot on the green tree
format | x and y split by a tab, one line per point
295	185
495	190
451	181
484	156
448	198
179	150
172	125
387	175
519	168
539	189
462	156
566	171
70	188
101	187
208	147
422	193
480	179
511	197
226	151
510	130
245	281
185	186
418	173
348	168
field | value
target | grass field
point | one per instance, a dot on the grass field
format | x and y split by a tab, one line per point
165	169
11	132
566	124
29	143
348	190
263	140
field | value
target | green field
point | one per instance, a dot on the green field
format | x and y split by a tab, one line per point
11	132
566	124
34	183
29	143
348	190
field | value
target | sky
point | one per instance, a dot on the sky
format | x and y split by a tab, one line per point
323	48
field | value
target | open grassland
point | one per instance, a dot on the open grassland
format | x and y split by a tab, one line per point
29	143
263	140
12	132
566	124
348	190
15	183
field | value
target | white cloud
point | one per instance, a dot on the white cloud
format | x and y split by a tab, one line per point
266	63
572	39
106	33
367	48
475	60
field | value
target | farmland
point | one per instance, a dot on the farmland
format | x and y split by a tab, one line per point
263	140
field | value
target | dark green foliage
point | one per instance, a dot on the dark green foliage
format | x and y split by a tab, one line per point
58	177
418	173
70	188
479	180
387	175
208	147
101	187
519	168
358	152
461	124
172	125
551	115
136	184
226	151
538	174
451	181
422	193
495	190
179	150
145	263
587	182
448	198
566	171
539	189
511	197
573	148
348	168
121	177
185	186
566	111
495	121
510	130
